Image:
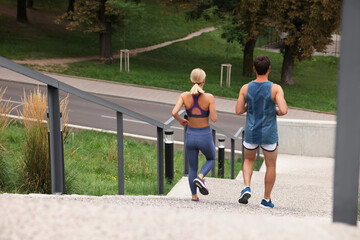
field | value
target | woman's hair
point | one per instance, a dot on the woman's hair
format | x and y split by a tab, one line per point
197	77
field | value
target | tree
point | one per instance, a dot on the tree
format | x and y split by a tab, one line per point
242	21
30	4
71	6
21	11
251	19
100	16
306	25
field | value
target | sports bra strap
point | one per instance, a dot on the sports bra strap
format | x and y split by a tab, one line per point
204	113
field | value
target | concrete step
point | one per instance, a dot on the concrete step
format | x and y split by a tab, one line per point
304	187
38	216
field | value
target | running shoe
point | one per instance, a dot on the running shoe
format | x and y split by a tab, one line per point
245	195
200	183
266	204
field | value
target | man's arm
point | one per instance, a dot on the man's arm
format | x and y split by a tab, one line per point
282	107
241	107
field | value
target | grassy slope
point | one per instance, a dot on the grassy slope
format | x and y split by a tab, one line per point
169	67
47	40
91	164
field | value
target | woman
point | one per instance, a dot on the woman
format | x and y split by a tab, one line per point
199	106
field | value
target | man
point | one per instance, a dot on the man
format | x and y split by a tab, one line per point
262	101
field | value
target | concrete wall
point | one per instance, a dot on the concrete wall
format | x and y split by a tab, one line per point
305	137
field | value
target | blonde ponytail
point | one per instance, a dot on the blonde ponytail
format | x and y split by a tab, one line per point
197	77
196	89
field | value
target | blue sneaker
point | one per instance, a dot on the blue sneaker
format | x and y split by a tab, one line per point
245	195
266	204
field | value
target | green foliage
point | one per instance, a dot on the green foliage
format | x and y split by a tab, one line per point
3	170
170	67
36	161
48	40
86	15
308	24
5	121
91	164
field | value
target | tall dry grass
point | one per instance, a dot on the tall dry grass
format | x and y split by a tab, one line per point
5	109
36	161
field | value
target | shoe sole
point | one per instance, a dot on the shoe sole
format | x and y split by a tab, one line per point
202	188
244	199
263	206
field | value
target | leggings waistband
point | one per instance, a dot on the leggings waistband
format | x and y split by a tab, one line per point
198	131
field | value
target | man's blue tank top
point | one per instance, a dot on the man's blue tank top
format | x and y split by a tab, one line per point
261	126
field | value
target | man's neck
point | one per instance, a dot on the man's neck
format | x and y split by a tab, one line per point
261	78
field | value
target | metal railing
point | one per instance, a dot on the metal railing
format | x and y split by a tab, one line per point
55	140
216	130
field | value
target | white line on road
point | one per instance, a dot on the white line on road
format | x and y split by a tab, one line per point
4	100
137	121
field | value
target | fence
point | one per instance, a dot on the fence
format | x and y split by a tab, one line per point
55	141
271	40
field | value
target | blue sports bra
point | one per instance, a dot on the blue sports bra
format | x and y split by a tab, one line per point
189	111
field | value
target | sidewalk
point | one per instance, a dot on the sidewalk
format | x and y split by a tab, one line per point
150	94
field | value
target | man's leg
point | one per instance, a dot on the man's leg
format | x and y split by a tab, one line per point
248	166
247	173
270	175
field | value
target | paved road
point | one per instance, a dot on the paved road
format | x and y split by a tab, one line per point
84	113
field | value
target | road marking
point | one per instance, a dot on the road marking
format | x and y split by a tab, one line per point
126	120
4	100
137	121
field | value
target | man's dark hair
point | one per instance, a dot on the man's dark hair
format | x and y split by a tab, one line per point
262	64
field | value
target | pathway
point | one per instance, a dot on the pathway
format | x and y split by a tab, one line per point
132	52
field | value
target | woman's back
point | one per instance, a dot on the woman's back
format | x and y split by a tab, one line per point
198	108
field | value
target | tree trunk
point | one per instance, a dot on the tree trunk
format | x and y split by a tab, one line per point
287	70
30	4
71	6
105	37
248	58
21	11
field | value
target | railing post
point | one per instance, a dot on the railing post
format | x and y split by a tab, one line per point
56	162
169	155
221	157
213	131
346	175
186	160
232	171
120	150
160	159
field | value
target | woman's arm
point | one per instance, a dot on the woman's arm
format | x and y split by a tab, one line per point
212	108
241	107
176	109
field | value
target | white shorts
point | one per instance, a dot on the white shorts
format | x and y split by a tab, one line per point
266	147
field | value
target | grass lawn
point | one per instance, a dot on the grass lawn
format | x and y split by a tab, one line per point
170	67
91	164
47	40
